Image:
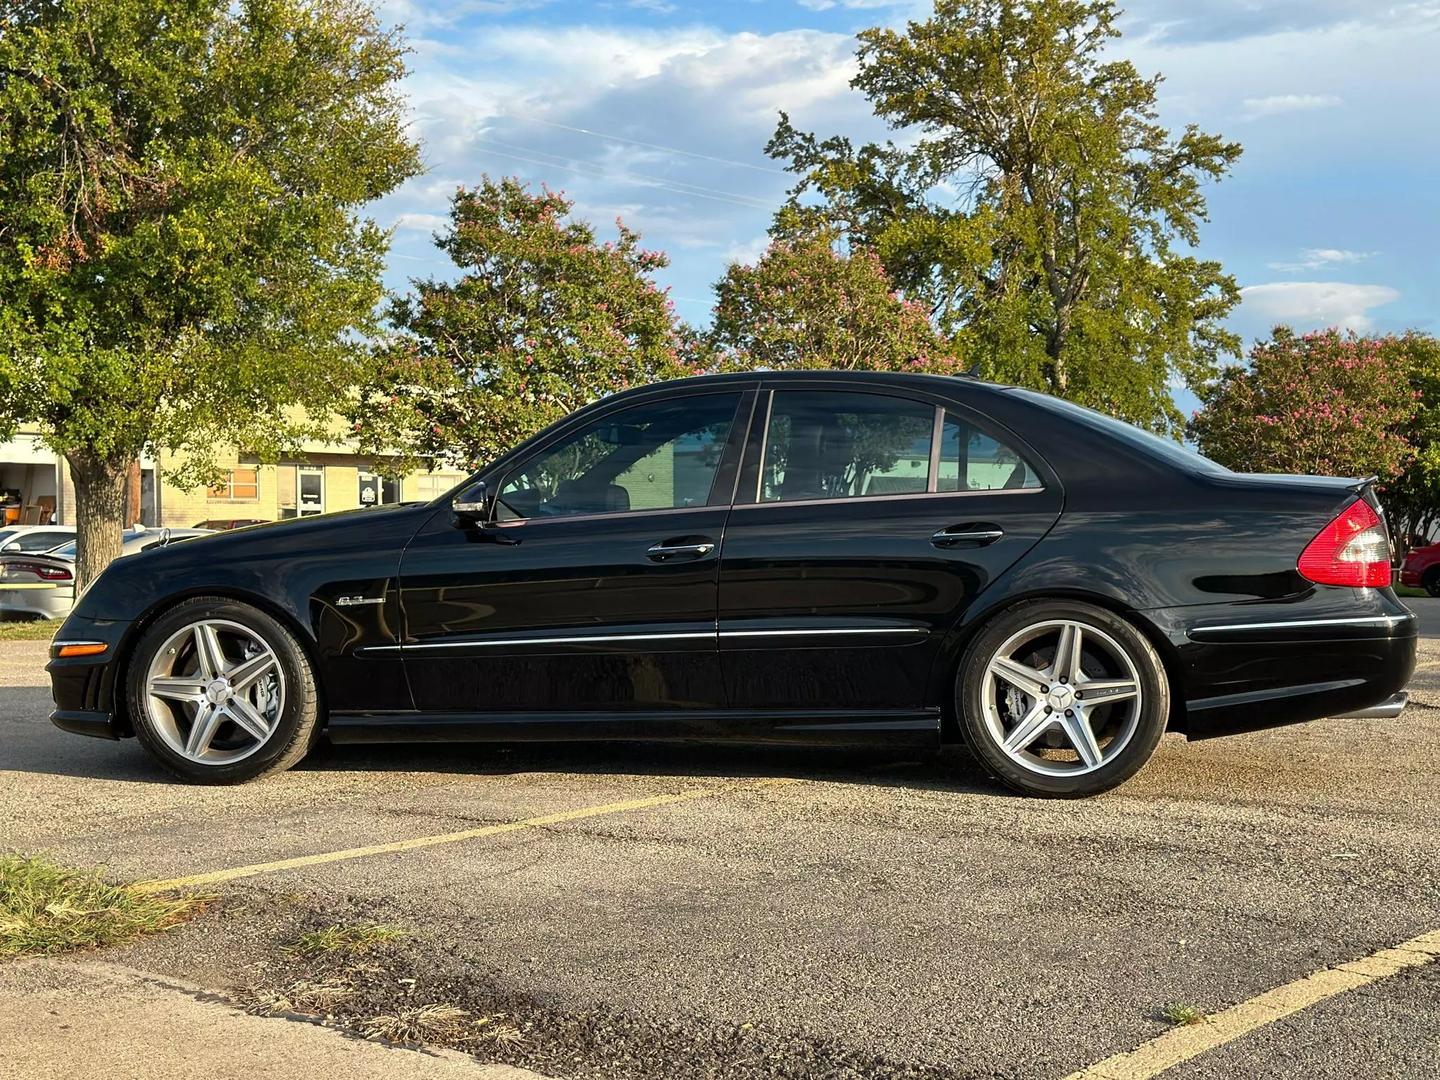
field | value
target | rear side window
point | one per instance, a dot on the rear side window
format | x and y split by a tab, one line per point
838	445
971	460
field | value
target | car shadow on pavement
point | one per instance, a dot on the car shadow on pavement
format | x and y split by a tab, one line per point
29	743
951	769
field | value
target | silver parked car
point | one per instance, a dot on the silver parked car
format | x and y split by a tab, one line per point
42	584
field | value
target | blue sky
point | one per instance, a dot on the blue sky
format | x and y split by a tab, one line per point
658	110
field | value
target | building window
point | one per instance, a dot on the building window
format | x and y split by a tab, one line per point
238	485
430	486
378	490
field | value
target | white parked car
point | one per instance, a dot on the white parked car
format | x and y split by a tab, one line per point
42	584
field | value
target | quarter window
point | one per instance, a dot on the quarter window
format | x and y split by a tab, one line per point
971	460
659	456
837	445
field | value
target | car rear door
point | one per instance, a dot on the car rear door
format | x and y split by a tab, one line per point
866	520
594	590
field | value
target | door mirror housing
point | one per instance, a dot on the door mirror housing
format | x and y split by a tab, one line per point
472	506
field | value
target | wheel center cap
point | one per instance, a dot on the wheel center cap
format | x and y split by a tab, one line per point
1060	698
218	692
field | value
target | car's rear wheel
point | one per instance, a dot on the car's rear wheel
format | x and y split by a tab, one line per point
1062	698
219	692
1431	581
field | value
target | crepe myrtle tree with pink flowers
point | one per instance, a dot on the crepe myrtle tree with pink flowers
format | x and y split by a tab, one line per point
1323	403
807	304
543	318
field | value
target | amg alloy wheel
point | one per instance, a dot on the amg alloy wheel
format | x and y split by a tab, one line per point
219	692
1061	698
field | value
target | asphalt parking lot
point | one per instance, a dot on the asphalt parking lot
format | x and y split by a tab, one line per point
801	913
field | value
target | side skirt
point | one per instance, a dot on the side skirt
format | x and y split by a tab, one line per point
920	727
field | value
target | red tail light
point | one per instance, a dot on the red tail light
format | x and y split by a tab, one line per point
1352	550
43	571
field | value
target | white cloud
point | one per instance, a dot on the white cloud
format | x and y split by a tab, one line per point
659	7
853	5
748	251
422	222
1276	104
1312	304
1321	258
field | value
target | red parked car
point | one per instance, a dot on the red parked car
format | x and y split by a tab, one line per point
1422	569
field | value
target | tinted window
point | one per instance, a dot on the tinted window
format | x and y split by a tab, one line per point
837	445
971	460
37	541
659	456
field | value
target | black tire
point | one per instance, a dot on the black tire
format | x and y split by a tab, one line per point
1142	731
1431	581
296	728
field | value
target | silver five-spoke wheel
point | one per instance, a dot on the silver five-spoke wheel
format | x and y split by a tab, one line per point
214	692
1061	698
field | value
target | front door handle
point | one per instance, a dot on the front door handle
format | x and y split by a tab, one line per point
977	534
680	548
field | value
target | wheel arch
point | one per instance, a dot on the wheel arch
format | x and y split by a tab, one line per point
947	666
126	651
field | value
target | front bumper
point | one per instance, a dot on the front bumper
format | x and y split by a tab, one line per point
84	687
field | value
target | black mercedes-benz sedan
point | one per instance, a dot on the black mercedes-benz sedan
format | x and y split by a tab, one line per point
808	557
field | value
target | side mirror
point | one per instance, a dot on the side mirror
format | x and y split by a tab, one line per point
473	504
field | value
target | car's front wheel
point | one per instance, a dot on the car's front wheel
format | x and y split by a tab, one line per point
220	692
1431	581
1062	698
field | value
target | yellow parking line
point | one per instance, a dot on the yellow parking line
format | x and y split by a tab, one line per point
215	877
1183	1043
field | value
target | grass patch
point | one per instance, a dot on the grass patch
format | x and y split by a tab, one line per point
1410	591
45	908
29	629
303	996
440	1024
1181	1015
343	939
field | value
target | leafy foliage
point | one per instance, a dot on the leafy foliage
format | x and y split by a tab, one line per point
806	305
1035	206
182	263
1412	499
1322	403
543	319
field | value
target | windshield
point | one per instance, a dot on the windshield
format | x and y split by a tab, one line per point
1138	438
66	550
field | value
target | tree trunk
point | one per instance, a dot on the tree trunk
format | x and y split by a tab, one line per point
99	514
132	495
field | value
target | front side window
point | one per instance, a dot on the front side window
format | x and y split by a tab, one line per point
658	456
971	460
839	445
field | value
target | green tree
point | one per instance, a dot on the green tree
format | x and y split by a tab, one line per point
1412	499
806	305
1324	403
183	265
543	318
1034	204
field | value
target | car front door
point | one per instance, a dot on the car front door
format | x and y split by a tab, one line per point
864	524
593	588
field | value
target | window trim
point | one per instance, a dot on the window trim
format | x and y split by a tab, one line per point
744	396
752	471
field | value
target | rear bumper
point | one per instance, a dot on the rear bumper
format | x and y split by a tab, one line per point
1388	709
1247	667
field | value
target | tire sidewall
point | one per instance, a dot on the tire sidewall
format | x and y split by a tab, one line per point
1154	713
298	711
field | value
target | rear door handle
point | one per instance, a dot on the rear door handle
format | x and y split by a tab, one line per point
680	548
977	534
